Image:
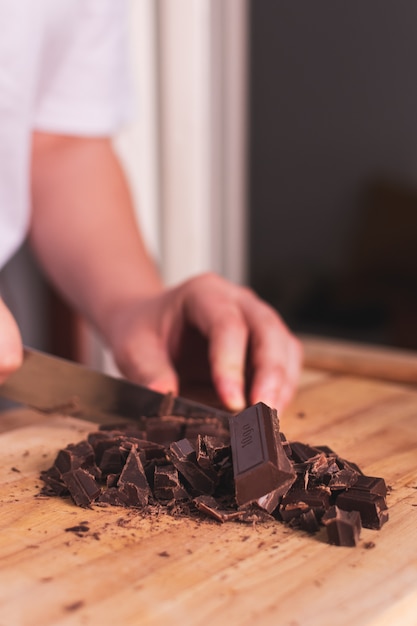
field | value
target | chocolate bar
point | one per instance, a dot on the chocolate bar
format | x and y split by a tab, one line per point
260	463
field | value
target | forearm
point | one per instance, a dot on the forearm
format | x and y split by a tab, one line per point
83	228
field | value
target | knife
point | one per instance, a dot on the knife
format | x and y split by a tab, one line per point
54	385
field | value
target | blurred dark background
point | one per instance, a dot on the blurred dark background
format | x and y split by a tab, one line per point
333	166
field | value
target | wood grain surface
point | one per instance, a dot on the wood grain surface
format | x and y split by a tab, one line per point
128	569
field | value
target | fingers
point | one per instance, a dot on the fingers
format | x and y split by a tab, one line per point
276	354
11	350
145	360
211	306
231	317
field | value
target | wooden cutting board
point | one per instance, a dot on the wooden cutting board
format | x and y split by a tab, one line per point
128	569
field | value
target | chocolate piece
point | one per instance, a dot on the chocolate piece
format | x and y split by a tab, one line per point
285	444
260	463
132	481
75	456
270	501
218	449
328	451
317	499
343	479
82	486
371	484
343	527
211	507
113	460
210	426
371	506
308	522
54	485
114	497
167	485
302	452
164	430
184	456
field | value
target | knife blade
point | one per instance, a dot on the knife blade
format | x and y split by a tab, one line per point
55	385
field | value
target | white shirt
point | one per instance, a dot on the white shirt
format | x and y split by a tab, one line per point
63	69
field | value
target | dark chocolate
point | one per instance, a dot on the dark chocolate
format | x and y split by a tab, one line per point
298	501
211	507
371	484
184	456
82	486
167	485
247	474
164	430
371	506
343	527
260	463
132	481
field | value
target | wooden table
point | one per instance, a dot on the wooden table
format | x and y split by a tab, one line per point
128	569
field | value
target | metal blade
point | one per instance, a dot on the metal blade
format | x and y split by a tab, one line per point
54	385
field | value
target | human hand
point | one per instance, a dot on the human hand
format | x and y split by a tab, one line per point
11	350
208	326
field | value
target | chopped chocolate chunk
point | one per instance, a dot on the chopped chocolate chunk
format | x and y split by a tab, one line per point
112	480
343	479
132	481
210	426
75	456
164	430
285	444
317	499
259	461
302	452
293	510
113	460
371	506
325	449
167	485
343	527
114	496
211	507
80	528
371	484
184	456
308	522
54	485
82	486
270	501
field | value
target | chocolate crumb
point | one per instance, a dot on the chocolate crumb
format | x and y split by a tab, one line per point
301	414
164	553
15	469
80	528
368	545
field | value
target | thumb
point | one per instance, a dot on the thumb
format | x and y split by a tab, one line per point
146	362
11	350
